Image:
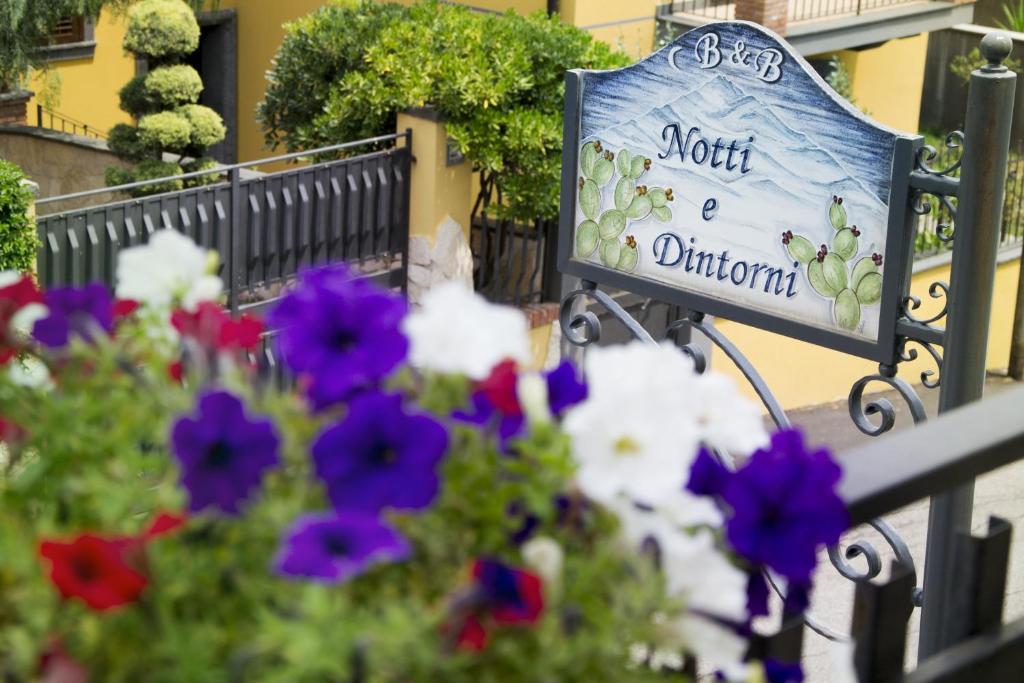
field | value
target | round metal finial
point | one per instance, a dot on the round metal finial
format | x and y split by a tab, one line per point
996	46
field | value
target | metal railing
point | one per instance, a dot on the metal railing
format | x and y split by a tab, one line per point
799	10
935	226
51	120
265	227
513	262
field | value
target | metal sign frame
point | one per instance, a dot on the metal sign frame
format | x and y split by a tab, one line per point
899	236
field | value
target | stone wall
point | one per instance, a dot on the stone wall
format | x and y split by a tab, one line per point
59	163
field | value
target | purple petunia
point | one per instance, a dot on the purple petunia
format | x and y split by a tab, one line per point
86	311
340	332
380	456
223	454
784	504
334	548
565	388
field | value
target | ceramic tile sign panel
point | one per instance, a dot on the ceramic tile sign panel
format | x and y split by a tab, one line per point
722	173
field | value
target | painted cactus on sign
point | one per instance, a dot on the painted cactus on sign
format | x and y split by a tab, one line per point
601	232
835	272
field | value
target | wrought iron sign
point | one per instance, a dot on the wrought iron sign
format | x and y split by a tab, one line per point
722	174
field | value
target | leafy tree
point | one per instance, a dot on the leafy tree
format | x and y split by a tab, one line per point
18	240
26	25
163	100
346	70
962	65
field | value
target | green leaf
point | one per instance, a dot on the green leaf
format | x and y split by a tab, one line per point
625	190
844	244
638	166
860	269
837	215
816	276
662	213
847	310
610	252
603	170
588	156
801	249
639	208
587	237
834	269
658	197
869	289
590	199
612	223
628	257
622	162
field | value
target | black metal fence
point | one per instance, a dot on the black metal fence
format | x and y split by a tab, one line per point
264	226
799	10
513	262
51	120
934	226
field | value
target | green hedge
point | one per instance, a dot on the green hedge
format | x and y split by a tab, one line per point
164	88
207	126
346	70
167	130
161	29
124	141
18	238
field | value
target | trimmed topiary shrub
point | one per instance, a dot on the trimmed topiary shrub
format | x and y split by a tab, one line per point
207	126
18	238
167	130
123	141
164	101
203	164
161	29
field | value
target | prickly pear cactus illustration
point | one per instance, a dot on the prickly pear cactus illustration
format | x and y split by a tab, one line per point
602	231
835	272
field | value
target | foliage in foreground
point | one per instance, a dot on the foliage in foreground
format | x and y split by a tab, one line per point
422	507
346	70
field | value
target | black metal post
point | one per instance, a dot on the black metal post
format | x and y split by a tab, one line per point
972	277
234	238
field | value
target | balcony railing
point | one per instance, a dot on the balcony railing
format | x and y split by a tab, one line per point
51	120
799	10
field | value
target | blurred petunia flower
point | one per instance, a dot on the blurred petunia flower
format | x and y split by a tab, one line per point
334	548
340	332
380	456
499	595
94	570
212	327
171	269
18	294
86	312
222	452
457	331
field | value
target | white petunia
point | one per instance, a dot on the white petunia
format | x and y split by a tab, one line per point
545	556
30	372
636	433
729	421
707	583
532	392
170	269
457	331
25	318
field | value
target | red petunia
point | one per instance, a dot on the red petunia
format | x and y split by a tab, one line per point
95	570
212	327
104	572
500	595
13	298
124	308
500	388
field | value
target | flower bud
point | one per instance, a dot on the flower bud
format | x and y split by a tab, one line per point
545	556
532	392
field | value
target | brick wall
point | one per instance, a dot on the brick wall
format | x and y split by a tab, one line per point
769	13
14	107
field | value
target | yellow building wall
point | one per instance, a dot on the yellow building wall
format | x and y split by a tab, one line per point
627	25
802	374
888	80
89	87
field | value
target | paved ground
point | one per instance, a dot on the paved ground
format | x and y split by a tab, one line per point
999	493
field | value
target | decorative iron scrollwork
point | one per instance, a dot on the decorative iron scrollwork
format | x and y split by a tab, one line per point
936	290
583	328
954	141
861	411
929	378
